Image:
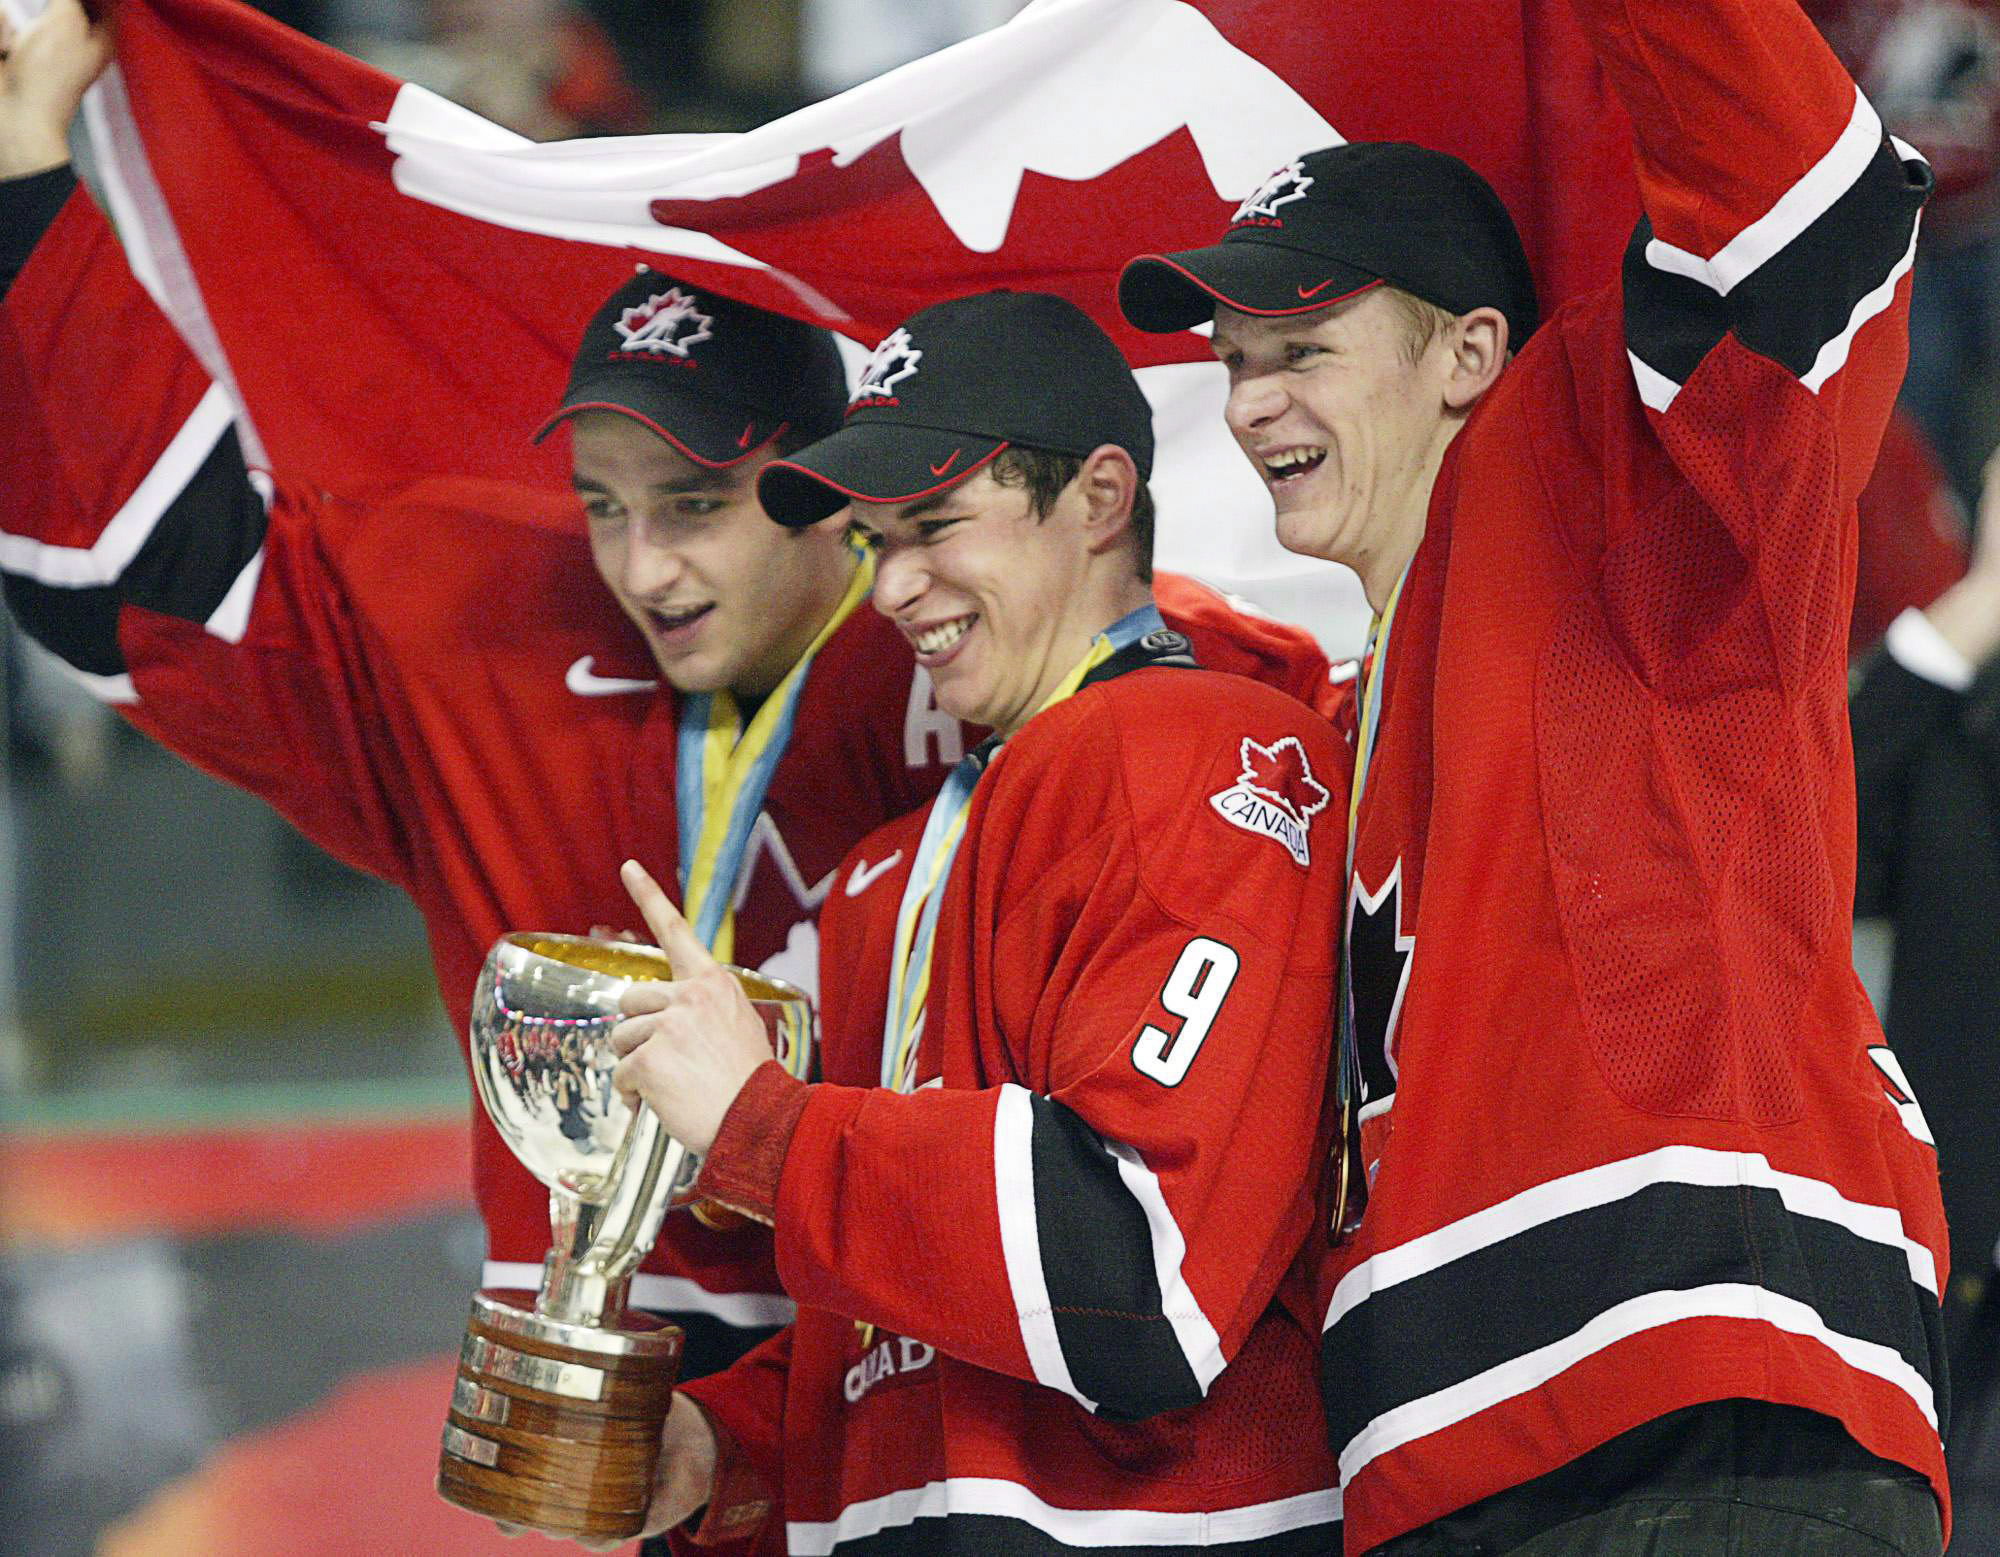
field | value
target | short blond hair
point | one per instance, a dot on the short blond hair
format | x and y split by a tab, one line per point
1422	322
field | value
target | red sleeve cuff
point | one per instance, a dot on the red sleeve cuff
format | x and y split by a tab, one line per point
739	1502
744	1165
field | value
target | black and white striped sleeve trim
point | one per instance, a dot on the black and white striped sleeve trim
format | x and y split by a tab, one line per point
1094	1261
1572	1267
1797	284
187	542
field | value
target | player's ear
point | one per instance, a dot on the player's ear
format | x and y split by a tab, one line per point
1108	483
1478	342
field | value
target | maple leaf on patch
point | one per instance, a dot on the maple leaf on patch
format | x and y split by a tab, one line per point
1280	772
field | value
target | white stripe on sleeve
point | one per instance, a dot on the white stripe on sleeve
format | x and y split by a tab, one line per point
1198	1340
1021	1241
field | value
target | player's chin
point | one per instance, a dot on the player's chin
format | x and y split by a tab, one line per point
1306	528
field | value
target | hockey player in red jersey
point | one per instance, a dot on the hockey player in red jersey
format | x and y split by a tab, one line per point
1041	1217
1651	1248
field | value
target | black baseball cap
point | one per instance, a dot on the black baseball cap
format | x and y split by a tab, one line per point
953	386
1334	223
716	378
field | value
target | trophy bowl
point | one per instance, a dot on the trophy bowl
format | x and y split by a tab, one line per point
556	1414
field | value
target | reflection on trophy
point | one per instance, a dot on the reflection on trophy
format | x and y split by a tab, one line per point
556	1415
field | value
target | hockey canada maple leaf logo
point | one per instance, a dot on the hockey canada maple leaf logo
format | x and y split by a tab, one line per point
667	322
1275	795
887	366
1289	183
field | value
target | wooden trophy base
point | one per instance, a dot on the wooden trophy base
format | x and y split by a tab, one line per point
555	1425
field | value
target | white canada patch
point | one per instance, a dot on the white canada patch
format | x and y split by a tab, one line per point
887	366
1275	794
1289	183
667	322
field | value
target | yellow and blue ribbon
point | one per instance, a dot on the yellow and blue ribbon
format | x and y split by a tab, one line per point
923	894
724	772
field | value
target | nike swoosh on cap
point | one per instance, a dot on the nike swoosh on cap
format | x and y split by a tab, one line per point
580	681
865	875
1306	292
939	470
748	429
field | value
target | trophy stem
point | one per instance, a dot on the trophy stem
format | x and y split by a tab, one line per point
590	1267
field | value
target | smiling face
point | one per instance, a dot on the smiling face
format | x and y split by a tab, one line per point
1346	424
998	601
723	596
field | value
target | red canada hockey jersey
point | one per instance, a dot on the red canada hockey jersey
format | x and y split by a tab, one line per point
1635	1139
1075	1241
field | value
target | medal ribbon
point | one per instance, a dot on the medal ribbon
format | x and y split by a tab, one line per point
723	774
923	893
1374	658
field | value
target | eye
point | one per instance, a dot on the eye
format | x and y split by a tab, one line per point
601	512
931	529
863	537
698	507
1299	352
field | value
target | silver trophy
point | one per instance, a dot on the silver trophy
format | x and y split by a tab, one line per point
555	1418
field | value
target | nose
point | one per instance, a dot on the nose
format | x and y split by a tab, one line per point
650	568
900	580
1255	400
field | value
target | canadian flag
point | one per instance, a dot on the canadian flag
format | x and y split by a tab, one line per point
387	285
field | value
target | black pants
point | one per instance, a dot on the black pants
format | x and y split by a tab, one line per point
1735	1478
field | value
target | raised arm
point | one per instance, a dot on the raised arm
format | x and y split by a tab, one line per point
1777	211
134	542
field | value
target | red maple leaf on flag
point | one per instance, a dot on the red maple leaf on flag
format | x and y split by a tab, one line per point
1281	773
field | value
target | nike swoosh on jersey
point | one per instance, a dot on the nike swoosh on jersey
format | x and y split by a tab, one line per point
865	874
580	681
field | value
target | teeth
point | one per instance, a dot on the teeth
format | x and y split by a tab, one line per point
935	640
1286	461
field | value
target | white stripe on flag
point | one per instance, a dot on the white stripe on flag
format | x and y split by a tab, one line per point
102	562
152	243
1726	1300
1198	1341
990	1497
662	1295
1795	210
1615	1181
1021	1240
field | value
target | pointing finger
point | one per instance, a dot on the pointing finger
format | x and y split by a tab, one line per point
671	932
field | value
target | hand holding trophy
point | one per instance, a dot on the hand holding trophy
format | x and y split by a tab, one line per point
556	1416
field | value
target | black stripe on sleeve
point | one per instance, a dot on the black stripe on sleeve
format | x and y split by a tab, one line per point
198	549
1796	301
1525	1292
203	541
1097	1262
